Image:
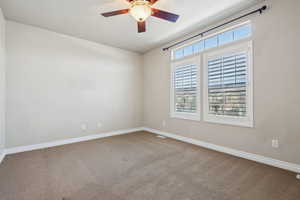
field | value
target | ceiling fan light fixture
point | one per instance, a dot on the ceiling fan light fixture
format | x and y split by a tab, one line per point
140	10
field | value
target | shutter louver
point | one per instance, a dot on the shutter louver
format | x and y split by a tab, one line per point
185	85
227	85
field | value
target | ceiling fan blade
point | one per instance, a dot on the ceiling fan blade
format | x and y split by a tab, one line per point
164	15
141	27
116	12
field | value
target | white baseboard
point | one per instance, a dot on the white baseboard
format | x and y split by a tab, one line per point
250	156
2	155
19	149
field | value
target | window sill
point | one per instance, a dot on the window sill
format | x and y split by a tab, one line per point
186	116
233	121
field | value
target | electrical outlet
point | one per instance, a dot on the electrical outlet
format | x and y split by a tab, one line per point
99	124
83	127
275	143
163	123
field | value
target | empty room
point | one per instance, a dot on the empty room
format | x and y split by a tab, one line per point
149	100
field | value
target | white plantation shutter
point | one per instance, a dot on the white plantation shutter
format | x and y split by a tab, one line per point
185	85
227	85
185	89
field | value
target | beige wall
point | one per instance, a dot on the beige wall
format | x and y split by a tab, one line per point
56	83
2	82
276	90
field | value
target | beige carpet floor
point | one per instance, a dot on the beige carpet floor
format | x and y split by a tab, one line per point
140	166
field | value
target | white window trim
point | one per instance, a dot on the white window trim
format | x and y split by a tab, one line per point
180	115
238	121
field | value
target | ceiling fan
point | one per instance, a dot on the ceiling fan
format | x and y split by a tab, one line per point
140	10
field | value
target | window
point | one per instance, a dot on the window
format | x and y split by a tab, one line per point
198	47
185	98
228	85
242	32
235	34
226	92
211	42
179	54
188	51
226	37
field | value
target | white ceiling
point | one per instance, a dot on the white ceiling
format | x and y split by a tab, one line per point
81	18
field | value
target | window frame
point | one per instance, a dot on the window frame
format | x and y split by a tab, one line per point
204	38
195	60
239	47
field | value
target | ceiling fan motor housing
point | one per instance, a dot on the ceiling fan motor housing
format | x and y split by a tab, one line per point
140	10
